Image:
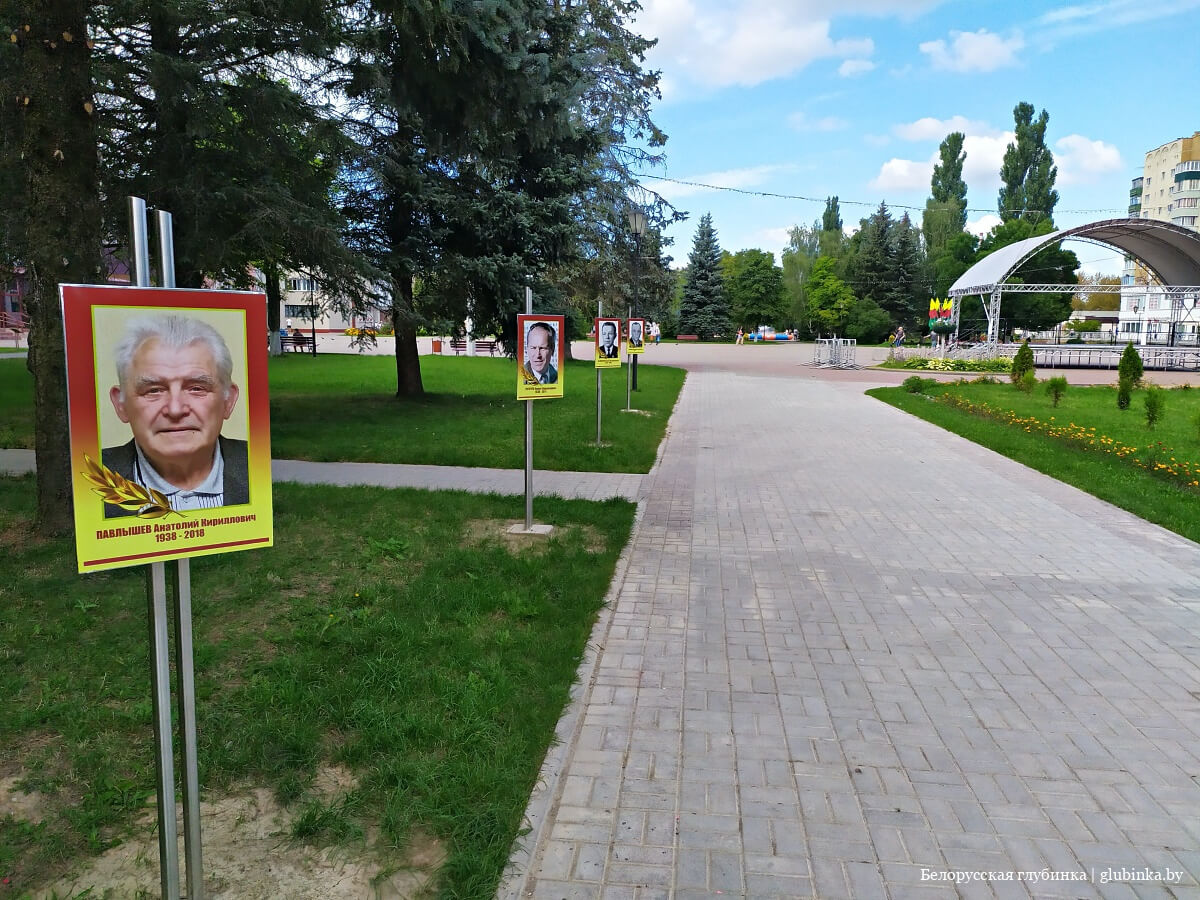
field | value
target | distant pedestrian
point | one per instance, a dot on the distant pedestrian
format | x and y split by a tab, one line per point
899	342
741	336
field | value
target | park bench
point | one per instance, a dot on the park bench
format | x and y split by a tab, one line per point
687	337
297	342
481	345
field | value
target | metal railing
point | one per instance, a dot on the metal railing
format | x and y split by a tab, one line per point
835	353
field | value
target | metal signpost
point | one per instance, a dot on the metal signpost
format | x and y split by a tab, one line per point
123	518
599	373
160	676
540	344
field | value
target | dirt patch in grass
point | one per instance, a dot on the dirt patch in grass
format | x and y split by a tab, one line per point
249	854
480	531
28	807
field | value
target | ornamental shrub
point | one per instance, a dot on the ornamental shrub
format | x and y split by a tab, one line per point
1124	389
1130	367
1028	382
1155	402
1056	387
1022	363
915	384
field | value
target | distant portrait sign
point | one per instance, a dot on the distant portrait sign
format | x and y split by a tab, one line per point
608	343
637	337
540	349
169	423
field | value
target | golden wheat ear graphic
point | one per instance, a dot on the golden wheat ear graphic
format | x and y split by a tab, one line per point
114	488
528	375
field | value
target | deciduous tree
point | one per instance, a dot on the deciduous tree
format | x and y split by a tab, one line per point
1028	172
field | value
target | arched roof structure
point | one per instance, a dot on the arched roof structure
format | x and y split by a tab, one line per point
1171	252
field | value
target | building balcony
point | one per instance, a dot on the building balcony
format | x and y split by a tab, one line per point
1136	191
1136	186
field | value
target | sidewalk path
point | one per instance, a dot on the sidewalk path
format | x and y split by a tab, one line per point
849	650
572	485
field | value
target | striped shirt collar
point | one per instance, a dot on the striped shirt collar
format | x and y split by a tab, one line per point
207	495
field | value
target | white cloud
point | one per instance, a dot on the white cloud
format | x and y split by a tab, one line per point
903	175
974	51
800	121
1074	21
1081	159
981	169
747	42
852	67
983	224
931	129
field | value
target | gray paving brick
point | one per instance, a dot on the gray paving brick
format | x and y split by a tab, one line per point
788	699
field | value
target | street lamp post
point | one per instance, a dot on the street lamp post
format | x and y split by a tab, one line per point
637	225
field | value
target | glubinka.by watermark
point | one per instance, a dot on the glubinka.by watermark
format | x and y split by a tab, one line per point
1122	875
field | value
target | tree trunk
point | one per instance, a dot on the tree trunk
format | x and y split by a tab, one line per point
408	362
274	302
62	233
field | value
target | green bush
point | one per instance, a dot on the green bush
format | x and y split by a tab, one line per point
1021	364
1156	401
1124	389
1056	387
1028	382
1130	367
915	384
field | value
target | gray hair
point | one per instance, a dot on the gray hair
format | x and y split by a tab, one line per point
173	332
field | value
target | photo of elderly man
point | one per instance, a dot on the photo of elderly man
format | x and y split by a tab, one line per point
540	344
175	390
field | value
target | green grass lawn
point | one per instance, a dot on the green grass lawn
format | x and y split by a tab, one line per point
343	407
1128	481
415	649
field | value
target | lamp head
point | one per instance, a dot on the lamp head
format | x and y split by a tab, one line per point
637	221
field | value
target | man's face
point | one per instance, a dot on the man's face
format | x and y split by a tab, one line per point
635	332
608	333
537	348
174	403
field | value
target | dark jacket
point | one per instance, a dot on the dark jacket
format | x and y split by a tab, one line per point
237	472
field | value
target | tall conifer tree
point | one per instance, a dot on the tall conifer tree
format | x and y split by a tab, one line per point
704	310
1028	172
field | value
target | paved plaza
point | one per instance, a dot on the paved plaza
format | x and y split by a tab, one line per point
850	655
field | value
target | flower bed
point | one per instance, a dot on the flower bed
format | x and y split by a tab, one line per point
944	364
1155	458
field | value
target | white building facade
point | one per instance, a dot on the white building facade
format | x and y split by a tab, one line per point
1167	190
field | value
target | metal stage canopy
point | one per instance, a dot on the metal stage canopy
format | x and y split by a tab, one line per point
1170	252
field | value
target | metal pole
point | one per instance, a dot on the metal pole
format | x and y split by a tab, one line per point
599	313
637	277
160	679
160	652
184	669
166	247
140	270
529	432
193	850
629	358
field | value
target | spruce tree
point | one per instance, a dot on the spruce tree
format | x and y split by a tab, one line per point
704	310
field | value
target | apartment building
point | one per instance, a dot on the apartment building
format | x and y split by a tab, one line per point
1167	190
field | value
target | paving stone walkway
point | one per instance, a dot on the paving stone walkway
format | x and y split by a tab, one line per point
850	655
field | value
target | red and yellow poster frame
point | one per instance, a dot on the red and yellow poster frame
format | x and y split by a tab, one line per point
94	317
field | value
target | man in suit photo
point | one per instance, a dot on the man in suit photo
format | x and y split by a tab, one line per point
540	342
608	341
635	333
175	390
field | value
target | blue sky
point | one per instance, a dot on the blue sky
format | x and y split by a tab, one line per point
852	97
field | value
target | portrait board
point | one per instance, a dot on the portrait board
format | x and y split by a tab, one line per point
636	336
169	423
540	351
608	343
